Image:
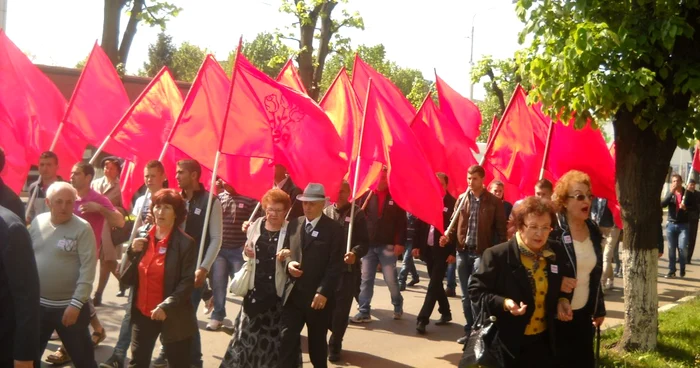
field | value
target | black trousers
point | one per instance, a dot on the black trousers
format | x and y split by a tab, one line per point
693	234
76	338
296	313
436	260
535	351
348	289
575	341
144	333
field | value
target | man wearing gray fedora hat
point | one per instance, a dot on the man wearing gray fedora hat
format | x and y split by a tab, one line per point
314	267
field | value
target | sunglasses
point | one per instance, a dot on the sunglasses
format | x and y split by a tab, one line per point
582	197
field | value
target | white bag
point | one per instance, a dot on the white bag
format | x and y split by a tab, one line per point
244	279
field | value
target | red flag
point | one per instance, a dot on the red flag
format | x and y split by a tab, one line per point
267	120
143	131
409	172
99	100
596	162
515	154
494	124
14	175
361	74
36	107
444	145
461	110
696	157
201	121
289	76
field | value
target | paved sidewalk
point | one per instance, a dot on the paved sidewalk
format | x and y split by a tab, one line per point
384	342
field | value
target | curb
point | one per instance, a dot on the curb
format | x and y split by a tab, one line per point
665	308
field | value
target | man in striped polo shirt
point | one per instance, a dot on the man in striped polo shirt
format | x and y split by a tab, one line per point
65	252
235	210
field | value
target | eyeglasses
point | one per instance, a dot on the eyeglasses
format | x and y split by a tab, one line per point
273	211
538	229
582	197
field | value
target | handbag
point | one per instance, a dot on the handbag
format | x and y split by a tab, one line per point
122	234
244	279
484	347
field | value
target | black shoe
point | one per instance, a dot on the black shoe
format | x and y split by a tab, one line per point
682	274
414	281
121	293
463	340
444	320
333	356
160	361
450	292
670	275
420	327
113	362
402	287
97	300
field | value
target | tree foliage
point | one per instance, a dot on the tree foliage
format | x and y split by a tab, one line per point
151	12
186	61
318	24
160	54
265	51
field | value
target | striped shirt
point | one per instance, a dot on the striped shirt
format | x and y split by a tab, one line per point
235	210
473	224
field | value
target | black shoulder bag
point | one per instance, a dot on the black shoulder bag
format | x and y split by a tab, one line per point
484	348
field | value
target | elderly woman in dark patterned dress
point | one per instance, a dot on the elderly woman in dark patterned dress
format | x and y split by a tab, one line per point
256	335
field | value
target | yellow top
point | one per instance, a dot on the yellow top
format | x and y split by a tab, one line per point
538	323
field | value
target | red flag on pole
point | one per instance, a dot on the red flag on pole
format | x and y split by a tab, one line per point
143	131
14	175
289	76
409	172
267	120
201	121
36	108
361	74
461	110
99	100
597	162
444	145
494	124
515	153
696	157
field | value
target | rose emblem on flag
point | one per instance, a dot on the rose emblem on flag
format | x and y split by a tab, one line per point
280	114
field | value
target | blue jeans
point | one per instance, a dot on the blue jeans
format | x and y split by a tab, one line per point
407	266
677	235
384	255
124	339
467	264
196	356
452	276
227	263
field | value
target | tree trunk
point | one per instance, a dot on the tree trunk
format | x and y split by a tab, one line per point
498	92
110	29
323	48
130	31
641	165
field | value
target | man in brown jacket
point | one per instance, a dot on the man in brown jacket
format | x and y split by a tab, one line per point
482	215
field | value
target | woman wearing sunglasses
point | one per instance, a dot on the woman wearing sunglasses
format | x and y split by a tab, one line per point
581	305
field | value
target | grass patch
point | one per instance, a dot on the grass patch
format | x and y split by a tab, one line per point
678	342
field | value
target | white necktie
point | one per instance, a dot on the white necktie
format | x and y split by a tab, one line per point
431	236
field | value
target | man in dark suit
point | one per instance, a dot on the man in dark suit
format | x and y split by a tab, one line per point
427	245
314	267
19	294
284	182
8	198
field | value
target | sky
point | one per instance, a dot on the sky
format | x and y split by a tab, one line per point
416	33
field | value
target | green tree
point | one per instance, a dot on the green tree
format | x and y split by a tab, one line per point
308	14
160	54
152	13
81	64
636	63
186	61
265	51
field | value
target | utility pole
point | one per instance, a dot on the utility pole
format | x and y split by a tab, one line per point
3	15
471	61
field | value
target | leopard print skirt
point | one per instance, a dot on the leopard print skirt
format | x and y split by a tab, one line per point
256	340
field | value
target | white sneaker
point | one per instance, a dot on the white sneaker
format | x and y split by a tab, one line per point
609	285
214	325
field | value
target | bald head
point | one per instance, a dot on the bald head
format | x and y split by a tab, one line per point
60	198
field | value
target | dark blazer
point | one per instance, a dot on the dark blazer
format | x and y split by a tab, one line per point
10	200
596	302
677	215
19	292
390	227
360	239
502	275
320	256
290	188
492	220
422	230
180	260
